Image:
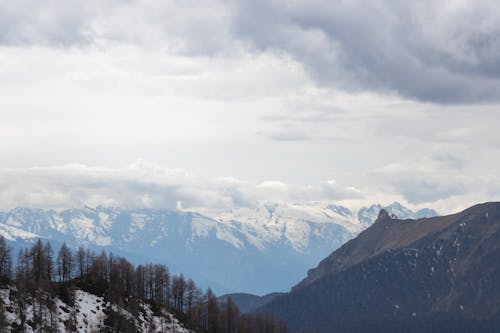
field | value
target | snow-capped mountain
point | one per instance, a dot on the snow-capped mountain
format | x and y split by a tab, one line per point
260	249
400	275
369	214
292	223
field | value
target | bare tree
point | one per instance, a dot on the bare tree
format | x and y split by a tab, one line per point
5	260
64	263
81	261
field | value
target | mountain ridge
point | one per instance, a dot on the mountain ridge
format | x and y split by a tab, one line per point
265	248
425	275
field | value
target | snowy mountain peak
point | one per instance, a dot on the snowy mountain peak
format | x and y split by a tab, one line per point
341	210
367	215
239	249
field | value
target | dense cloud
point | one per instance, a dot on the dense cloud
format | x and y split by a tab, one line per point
187	26
398	99
445	52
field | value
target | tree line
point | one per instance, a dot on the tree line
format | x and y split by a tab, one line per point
41	273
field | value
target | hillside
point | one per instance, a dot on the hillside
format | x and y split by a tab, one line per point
84	291
247	302
426	275
87	313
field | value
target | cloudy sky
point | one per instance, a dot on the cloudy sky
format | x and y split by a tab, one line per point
223	103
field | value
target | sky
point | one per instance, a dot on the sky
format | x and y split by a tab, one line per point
219	104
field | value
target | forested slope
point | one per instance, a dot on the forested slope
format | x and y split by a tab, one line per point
84	291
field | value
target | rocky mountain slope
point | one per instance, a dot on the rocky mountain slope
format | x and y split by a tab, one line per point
257	250
428	275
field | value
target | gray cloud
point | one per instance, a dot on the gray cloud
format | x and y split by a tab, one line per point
429	182
443	52
189	27
44	22
424	190
297	91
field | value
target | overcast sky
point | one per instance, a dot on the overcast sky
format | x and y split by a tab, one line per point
218	104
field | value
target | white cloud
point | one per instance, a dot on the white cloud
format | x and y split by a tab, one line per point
428	183
272	184
243	92
448	48
149	185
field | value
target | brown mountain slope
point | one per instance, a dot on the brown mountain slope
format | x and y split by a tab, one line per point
437	274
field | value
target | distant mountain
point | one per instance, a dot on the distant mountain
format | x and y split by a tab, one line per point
436	274
247	302
258	250
368	215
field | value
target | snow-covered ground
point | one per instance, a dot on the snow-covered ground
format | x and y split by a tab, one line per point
88	314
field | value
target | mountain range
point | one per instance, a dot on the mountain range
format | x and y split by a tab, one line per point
436	274
257	250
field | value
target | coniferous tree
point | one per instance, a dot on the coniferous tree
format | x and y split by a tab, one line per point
121	284
140	283
5	260
3	318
